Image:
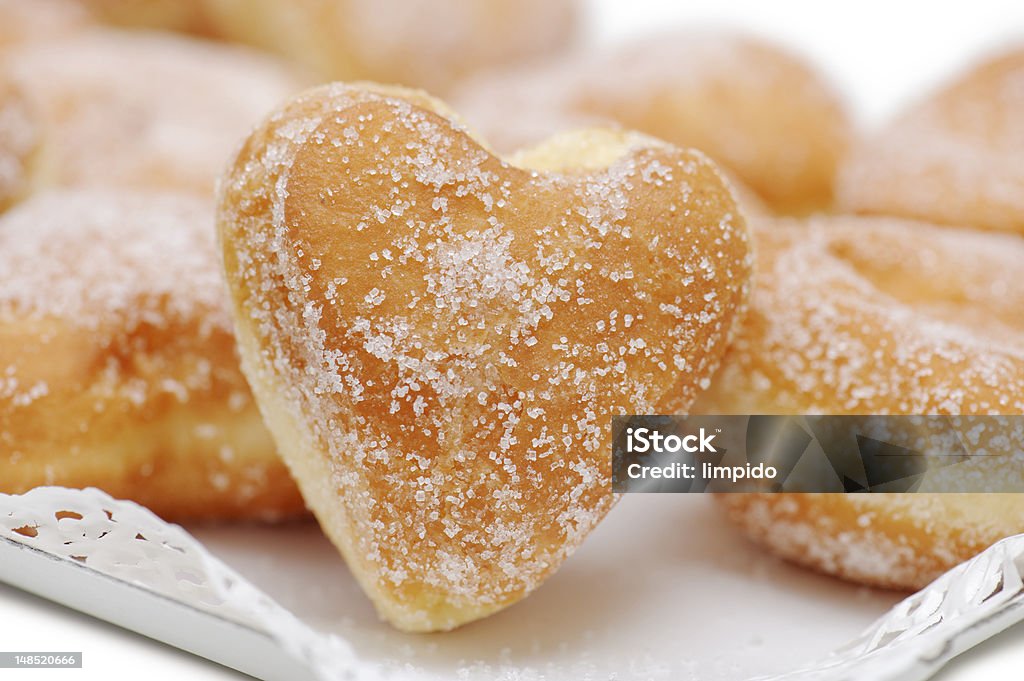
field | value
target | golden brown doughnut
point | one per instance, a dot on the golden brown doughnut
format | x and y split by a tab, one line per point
117	360
422	43
437	338
955	158
759	111
138	110
880	316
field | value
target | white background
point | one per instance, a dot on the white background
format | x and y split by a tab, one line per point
880	54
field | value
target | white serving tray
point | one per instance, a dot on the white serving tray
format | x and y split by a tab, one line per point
663	589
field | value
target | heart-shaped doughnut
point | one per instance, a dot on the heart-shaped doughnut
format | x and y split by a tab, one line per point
438	338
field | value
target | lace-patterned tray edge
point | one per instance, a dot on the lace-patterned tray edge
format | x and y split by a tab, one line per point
120	540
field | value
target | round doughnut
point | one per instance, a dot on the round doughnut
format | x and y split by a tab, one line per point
759	111
137	110
860	315
422	43
438	337
957	157
33	20
117	360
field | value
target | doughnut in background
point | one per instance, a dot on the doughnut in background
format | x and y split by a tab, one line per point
422	43
956	158
762	113
135	110
861	315
118	367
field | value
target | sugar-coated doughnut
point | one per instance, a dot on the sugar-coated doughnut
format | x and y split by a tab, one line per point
137	110
898	541
957	157
759	111
422	43
437	338
118	367
881	316
878	316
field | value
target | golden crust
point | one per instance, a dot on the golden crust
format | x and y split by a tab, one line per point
138	111
437	338
422	43
880	316
117	361
759	111
954	158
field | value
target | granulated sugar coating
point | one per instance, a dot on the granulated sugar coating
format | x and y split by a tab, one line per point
883	316
137	259
117	360
955	158
878	316
438	339
756	109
